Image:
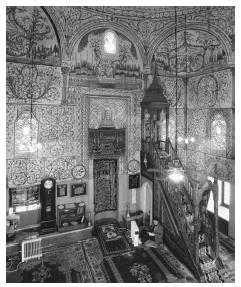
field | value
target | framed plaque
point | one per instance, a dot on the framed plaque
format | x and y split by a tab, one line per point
78	189
61	190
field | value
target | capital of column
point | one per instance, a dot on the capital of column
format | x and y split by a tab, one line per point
66	66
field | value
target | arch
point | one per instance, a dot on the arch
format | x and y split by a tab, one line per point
211	29
57	26
89	27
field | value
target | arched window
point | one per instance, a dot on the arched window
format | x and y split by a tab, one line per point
110	42
26	134
218	134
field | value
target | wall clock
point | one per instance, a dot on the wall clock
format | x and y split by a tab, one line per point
133	165
79	171
48	184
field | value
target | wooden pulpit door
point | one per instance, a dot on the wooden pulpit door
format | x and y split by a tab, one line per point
105	185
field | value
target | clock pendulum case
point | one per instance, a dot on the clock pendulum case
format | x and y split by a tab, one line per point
47	199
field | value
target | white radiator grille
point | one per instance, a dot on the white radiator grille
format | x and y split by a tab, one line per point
31	248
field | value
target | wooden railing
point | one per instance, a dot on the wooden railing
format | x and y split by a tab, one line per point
183	200
179	199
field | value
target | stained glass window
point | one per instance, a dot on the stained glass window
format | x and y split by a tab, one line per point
110	42
218	133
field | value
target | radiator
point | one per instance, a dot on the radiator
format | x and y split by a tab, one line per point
31	248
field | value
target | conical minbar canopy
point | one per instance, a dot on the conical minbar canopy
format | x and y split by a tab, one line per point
155	93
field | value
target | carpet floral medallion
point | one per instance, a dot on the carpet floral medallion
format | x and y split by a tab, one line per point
67	264
112	240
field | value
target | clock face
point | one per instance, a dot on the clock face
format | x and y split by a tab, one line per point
134	165
79	171
48	184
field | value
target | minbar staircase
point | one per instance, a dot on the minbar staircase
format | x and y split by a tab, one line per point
188	231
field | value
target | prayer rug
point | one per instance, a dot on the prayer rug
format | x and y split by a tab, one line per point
94	257
174	266
67	264
112	240
141	266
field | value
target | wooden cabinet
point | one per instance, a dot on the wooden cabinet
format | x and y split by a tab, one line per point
71	216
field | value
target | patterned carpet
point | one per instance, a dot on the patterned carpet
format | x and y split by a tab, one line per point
84	262
74	263
112	240
227	255
148	265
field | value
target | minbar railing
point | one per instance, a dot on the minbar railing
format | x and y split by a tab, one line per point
183	198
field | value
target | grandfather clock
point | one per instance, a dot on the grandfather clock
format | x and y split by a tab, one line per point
47	199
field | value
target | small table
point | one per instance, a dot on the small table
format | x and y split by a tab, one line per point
137	216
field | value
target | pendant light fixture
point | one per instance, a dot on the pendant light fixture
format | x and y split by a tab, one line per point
186	139
29	129
175	171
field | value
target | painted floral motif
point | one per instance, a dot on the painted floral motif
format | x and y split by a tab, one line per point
207	89
31	35
169	85
24	171
37	84
90	57
60	168
11	115
195	49
57	130
212	90
141	272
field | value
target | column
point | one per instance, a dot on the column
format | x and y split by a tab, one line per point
185	82
233	113
65	72
215	198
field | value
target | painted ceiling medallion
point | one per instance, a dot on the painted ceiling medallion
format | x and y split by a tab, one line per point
134	166
79	171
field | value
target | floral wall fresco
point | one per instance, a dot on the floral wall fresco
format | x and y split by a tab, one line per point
57	130
31	36
210	122
211	90
63	125
194	50
36	84
90	57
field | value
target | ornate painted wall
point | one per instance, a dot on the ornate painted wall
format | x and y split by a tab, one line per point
89	57
194	50
210	121
65	51
31	36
